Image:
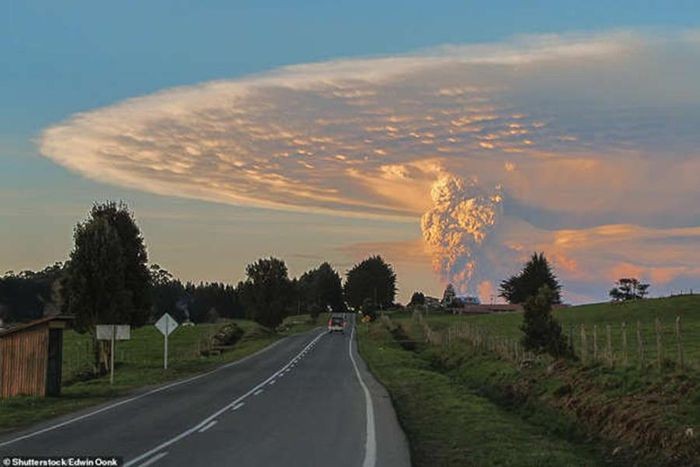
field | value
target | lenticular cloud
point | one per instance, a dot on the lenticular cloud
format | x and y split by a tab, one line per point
496	149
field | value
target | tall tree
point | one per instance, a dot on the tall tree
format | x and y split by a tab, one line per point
137	278
535	274
372	279
542	332
321	290
106	280
267	294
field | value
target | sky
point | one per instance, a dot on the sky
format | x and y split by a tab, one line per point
453	138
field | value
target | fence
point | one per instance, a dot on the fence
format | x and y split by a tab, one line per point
479	338
637	344
660	345
78	355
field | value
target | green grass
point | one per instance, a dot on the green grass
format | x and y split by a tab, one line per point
603	314
138	363
644	410
449	424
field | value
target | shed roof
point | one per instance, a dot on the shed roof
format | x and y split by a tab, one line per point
25	326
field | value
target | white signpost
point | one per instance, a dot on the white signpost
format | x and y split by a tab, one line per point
112	333
166	325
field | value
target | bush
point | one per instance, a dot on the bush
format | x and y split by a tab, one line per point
542	332
228	335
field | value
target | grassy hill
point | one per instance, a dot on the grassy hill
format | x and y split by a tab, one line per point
603	314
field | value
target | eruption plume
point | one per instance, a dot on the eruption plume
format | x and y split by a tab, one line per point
456	227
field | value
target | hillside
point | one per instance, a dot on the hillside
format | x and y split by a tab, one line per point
603	314
605	411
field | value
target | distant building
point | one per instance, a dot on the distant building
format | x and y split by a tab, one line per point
459	301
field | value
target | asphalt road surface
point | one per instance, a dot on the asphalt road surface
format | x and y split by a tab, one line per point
308	400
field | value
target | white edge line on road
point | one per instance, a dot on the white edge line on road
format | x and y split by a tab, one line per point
228	406
154	459
207	426
371	442
131	399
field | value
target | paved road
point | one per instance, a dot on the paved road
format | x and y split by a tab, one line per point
306	401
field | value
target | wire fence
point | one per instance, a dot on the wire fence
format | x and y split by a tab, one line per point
78	354
642	345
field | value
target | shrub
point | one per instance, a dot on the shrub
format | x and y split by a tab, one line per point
543	333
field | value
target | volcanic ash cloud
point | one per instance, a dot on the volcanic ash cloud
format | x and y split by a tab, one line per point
593	138
457	226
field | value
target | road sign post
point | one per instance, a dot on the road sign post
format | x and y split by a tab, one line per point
166	325
112	333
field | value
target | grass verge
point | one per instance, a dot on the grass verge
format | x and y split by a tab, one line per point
139	363
449	424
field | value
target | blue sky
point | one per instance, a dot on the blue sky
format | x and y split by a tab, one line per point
62	57
59	57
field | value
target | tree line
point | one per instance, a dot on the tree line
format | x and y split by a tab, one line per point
108	280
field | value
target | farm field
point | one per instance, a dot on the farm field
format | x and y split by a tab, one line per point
601	315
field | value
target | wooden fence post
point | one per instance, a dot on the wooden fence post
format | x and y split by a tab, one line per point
571	337
625	360
584	346
679	344
640	346
611	361
659	347
595	343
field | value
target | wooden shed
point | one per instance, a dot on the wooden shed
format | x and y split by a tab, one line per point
30	358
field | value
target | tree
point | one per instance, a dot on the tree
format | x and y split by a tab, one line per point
320	290
628	288
535	274
418	298
369	309
542	332
448	295
137	278
267	293
106	279
30	295
94	287
167	294
201	299
373	278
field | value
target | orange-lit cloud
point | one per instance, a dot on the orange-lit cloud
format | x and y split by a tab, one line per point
584	146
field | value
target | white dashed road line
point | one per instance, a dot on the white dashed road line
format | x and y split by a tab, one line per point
207	426
213	416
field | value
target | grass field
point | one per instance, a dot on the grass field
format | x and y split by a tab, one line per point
602	314
449	424
138	363
646	414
